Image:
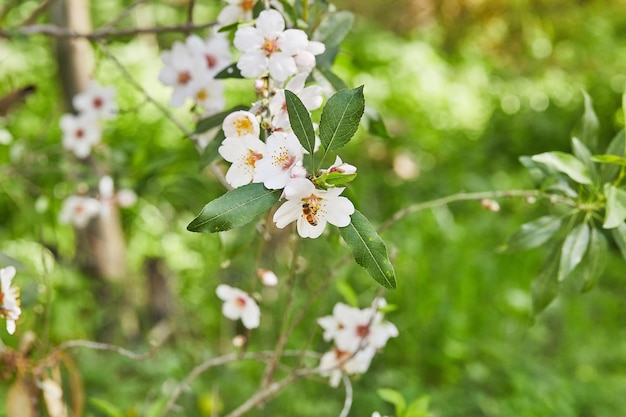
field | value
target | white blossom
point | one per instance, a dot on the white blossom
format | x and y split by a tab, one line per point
235	11
213	53
9	298
244	154
79	210
310	96
336	361
97	102
267	277
282	153
80	133
208	93
311	208
239	305
268	47
241	123
179	71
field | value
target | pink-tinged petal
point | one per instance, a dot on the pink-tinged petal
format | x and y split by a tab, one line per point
251	316
248	39
270	22
305	61
289	212
231	311
292	41
252	64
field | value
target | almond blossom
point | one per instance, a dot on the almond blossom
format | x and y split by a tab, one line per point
243	153
214	52
79	210
239	305
179	72
96	101
9	298
283	152
336	361
80	133
311	208
268	47
241	123
208	93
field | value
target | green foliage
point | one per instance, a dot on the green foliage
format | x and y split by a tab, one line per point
300	121
340	118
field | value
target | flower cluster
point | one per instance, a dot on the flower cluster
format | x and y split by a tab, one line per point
190	68
9	298
80	209
84	130
358	334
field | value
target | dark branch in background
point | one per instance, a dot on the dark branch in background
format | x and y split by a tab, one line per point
192	3
102	33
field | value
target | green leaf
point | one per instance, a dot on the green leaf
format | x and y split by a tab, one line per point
394	397
235	208
347	292
532	234
216	119
369	250
375	124
573	250
582	153
109	409
565	163
300	121
545	286
615	206
211	153
617	147
230	71
334	28
334	80
588	127
418	407
610	159
594	261
289	11
537	171
619	235
341	117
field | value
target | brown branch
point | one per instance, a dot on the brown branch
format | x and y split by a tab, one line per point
98	34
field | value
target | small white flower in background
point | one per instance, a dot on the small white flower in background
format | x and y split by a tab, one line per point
310	96
235	11
283	152
126	197
179	71
335	362
243	154
208	93
96	101
9	298
79	210
80	133
311	208
491	205
267	277
239	341
214	52
241	123
239	305
269	47
342	167
332	324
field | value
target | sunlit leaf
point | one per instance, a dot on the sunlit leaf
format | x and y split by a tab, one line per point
334	28
615	206
619	235
545	286
235	208
347	292
341	117
369	250
216	119
394	397
610	159
573	250
300	121
594	262
617	148
418	407
584	155
588	127
109	409
565	163
532	234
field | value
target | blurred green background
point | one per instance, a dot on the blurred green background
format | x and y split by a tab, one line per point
465	88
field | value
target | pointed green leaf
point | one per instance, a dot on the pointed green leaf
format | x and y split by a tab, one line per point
369	250
537	171
230	71
418	407
582	153
334	80
341	117
594	261
588	127
610	159
375	124
545	286
565	163
619	235
573	250
216	119
300	121
394	397
615	206
532	234
235	208
334	28
617	147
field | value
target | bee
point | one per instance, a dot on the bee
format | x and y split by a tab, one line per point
310	213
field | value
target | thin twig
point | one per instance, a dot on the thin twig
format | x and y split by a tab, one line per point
192	3
347	404
98	34
101	346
